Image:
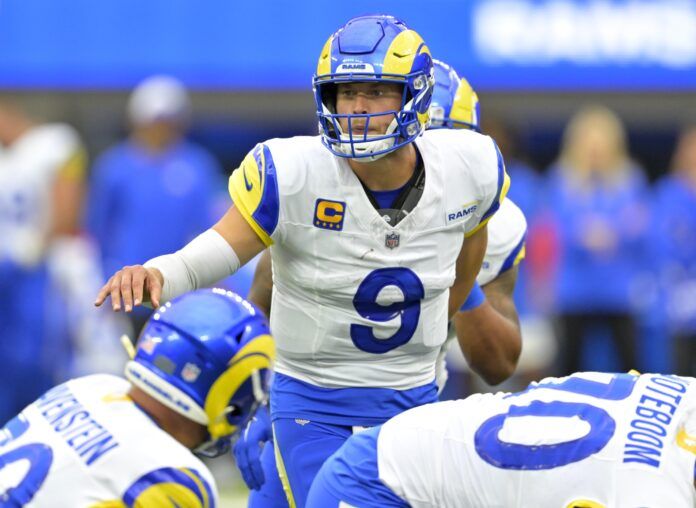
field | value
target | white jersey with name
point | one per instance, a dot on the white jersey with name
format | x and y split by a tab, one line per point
28	170
86	444
590	440
358	302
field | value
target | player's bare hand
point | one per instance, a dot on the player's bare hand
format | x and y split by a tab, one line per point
131	286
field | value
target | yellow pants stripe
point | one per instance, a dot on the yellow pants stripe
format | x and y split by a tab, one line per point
281	471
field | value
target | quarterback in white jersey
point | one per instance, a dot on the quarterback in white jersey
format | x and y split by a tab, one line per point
329	247
491	349
101	441
364	286
590	440
487	322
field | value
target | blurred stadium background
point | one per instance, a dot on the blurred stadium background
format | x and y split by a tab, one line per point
610	274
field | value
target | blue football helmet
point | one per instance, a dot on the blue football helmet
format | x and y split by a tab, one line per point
206	355
373	49
455	105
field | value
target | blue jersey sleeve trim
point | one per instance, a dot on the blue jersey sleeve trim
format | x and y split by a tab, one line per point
266	215
503	184
513	257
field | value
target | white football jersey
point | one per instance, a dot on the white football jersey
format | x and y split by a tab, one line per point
507	231
86	444
506	235
28	169
356	301
591	440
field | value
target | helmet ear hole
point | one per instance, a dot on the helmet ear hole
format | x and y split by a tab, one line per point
233	413
328	96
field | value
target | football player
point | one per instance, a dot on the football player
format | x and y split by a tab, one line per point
198	374
377	232
42	174
487	323
590	440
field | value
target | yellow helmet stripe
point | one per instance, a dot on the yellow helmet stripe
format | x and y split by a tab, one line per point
402	52
464	103
324	64
256	355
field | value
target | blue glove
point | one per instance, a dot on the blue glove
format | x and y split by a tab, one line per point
247	449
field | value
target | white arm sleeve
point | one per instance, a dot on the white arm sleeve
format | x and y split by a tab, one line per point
203	261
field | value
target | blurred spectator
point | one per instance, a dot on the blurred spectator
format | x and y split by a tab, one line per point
152	193
42	168
676	230
597	198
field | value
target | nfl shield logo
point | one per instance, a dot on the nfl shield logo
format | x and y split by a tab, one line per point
190	372
391	240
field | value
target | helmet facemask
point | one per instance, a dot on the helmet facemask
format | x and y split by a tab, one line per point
240	410
406	124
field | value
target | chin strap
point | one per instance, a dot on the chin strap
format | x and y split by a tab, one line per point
128	346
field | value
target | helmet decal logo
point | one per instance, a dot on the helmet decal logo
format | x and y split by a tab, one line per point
355	67
148	343
190	372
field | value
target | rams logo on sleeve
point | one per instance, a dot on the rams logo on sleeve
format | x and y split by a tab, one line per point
254	190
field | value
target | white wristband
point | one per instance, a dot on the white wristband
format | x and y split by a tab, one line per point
203	261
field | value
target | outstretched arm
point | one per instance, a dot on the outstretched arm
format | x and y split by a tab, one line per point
468	266
211	256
